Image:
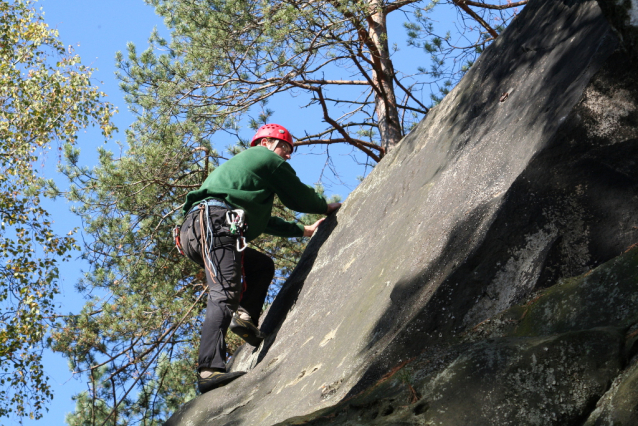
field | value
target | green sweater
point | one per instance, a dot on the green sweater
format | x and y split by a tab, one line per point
249	181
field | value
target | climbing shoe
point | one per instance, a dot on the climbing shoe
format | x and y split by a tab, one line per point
216	380
245	329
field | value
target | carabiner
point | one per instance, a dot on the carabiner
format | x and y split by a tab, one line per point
176	237
243	242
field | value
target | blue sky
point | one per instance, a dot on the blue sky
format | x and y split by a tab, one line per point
97	29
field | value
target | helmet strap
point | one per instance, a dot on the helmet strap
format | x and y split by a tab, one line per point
273	144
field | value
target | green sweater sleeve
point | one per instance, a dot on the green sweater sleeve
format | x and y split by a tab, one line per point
294	194
282	228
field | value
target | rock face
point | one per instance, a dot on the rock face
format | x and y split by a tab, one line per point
464	282
546	362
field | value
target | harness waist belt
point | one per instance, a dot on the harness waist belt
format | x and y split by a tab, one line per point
211	202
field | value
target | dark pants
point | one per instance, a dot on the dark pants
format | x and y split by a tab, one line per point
225	290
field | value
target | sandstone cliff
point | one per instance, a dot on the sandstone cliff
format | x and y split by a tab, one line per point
477	276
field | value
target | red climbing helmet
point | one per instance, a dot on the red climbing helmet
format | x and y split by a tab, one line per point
274	131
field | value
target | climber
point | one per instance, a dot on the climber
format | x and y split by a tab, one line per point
233	206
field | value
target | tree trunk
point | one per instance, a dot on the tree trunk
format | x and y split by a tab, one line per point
382	77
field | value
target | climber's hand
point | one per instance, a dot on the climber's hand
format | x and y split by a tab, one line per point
308	230
332	207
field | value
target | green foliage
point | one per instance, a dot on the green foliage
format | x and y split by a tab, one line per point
45	95
156	401
225	57
143	313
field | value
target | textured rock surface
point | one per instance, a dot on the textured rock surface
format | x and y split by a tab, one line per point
549	361
485	205
620	405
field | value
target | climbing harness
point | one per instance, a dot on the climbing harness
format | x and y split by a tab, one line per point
235	220
230	234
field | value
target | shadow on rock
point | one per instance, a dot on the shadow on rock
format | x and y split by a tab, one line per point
276	314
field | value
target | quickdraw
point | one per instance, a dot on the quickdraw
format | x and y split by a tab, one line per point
236	219
241	244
